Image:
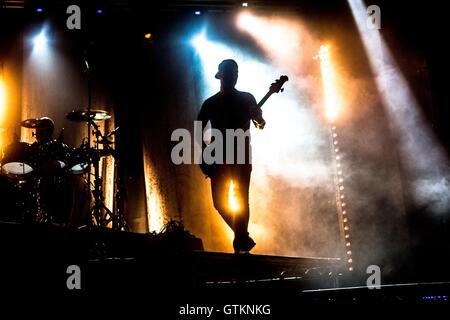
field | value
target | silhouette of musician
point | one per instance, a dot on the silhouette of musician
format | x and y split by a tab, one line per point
231	109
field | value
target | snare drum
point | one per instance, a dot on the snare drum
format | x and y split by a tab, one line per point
17	161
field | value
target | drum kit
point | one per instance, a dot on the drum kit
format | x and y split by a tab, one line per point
36	178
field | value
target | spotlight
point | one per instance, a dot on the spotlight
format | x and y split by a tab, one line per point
350	269
99	11
245	4
39	10
197	13
147	35
40	41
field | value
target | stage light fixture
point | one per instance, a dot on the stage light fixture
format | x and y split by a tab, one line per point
147	35
39	10
99	11
197	13
245	4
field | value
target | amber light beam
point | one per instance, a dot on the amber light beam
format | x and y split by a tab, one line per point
328	79
2	100
2	110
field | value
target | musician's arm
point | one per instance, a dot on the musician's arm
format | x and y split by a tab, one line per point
256	114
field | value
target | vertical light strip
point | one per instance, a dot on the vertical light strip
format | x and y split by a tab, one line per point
331	109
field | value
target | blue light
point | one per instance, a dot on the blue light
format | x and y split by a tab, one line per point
99	11
40	41
39	10
197	13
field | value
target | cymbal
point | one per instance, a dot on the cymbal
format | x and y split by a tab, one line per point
85	116
42	123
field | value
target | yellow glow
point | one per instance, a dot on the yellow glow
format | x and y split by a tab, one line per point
328	80
148	36
155	203
2	101
232	198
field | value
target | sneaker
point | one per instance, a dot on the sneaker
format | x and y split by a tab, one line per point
243	246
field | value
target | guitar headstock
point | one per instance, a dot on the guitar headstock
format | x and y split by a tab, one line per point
277	86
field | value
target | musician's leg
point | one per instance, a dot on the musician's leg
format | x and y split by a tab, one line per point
242	179
219	188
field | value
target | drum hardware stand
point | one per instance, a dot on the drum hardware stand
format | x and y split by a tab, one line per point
97	218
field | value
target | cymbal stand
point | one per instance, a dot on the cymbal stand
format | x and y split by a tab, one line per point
100	214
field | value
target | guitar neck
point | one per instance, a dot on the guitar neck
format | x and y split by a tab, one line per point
264	99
